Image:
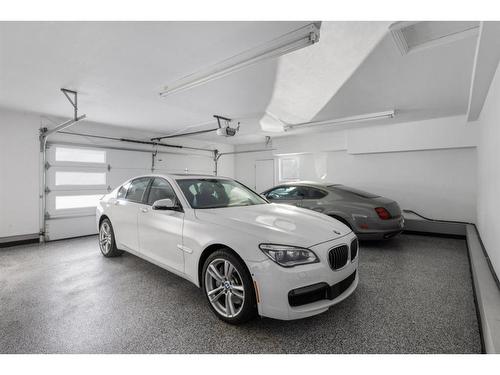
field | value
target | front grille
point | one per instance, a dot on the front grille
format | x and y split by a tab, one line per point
354	249
320	291
338	257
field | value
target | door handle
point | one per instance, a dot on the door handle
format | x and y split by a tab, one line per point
144	210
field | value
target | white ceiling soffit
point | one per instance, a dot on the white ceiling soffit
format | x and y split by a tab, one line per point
307	79
485	65
432	83
414	36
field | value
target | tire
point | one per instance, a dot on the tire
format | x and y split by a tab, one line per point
107	242
229	291
343	221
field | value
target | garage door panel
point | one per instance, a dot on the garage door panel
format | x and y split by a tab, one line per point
77	176
72	178
71	227
118	176
128	159
170	163
75	156
70	203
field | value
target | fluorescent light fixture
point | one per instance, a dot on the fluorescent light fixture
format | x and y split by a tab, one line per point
411	36
282	45
344	120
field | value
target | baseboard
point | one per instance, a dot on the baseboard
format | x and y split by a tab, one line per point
19	240
487	291
435	227
435	234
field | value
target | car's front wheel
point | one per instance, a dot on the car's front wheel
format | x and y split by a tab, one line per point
228	286
107	242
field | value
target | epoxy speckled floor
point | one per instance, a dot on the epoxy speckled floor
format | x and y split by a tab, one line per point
415	295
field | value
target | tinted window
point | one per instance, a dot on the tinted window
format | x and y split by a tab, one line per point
122	192
137	188
282	193
217	193
160	189
313	193
360	193
288	192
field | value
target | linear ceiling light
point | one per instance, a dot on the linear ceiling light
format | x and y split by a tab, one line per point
344	120
282	45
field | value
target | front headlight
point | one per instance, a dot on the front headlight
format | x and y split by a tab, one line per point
288	256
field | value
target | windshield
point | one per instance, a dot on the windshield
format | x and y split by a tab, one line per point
217	193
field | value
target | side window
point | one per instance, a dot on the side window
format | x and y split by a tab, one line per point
122	192
313	193
282	193
160	189
137	188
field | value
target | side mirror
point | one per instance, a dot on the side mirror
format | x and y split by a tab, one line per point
164	204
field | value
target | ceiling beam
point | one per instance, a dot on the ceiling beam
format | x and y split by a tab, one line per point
485	65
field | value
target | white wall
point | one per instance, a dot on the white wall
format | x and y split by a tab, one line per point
427	166
488	177
18	173
19	163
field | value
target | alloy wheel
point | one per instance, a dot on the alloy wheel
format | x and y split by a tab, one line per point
105	238
224	288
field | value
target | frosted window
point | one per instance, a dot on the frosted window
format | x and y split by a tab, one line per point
81	155
289	169
77	201
80	178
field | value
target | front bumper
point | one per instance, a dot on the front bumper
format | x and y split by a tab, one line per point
275	283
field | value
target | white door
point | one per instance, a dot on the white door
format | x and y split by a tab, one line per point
125	213
160	231
264	175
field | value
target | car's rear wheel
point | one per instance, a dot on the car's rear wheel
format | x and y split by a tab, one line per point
228	286
107	242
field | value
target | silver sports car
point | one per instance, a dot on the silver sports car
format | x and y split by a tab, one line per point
370	216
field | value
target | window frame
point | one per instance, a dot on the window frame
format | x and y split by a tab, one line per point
146	190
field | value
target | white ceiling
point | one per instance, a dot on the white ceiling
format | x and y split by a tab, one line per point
119	67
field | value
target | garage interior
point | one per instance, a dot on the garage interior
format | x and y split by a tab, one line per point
410	113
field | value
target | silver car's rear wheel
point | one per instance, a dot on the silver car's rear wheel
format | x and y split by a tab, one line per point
224	288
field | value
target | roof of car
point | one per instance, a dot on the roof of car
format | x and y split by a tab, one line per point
309	183
187	175
178	176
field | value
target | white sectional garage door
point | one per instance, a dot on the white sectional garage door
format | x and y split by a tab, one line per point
77	176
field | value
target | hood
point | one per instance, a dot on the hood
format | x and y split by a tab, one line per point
277	223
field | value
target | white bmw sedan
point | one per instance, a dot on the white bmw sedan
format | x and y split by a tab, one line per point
249	256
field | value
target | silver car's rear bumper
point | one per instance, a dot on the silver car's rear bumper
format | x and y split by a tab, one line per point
381	230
